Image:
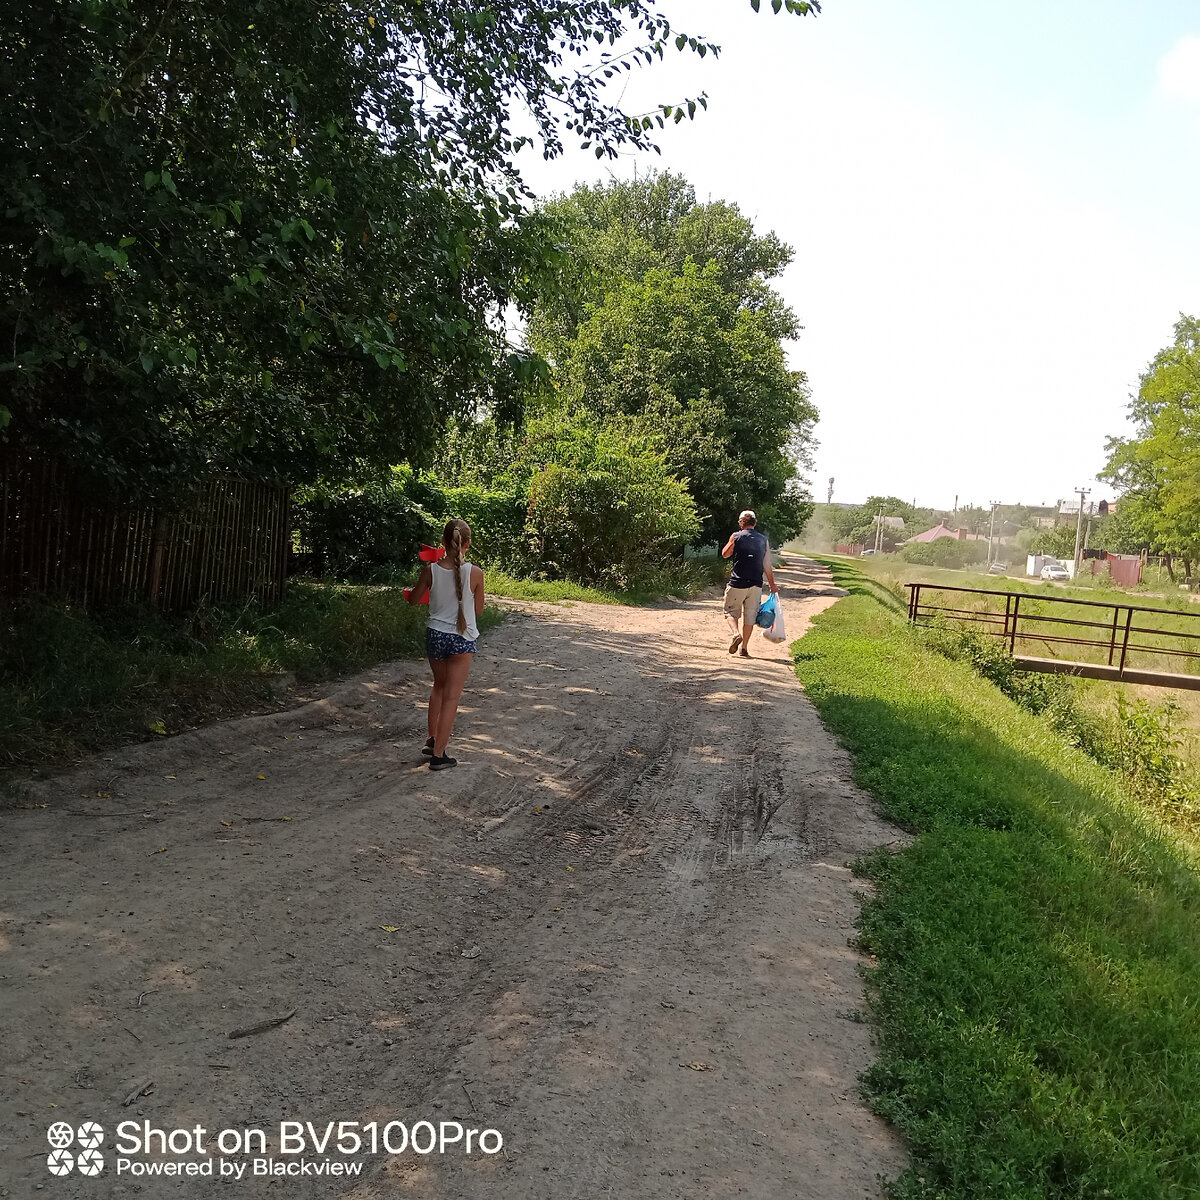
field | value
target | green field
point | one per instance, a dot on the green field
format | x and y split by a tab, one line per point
1038	945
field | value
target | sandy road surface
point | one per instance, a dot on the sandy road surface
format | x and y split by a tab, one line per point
454	953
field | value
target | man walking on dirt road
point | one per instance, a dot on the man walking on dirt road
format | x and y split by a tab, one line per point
751	559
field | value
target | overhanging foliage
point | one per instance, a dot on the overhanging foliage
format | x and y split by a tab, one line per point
278	236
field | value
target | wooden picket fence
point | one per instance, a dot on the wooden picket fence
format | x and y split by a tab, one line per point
229	543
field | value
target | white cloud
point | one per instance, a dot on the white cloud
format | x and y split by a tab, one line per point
1179	70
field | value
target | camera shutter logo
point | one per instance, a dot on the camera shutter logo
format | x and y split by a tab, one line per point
60	1160
89	1161
90	1134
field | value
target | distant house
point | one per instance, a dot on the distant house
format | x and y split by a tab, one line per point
942	530
1068	510
1043	516
890	522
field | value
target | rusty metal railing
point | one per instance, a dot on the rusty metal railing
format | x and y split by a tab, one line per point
1117	643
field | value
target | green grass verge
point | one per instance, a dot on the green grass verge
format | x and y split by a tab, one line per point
72	681
1038	945
500	583
672	581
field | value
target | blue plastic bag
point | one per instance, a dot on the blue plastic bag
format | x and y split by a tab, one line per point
766	613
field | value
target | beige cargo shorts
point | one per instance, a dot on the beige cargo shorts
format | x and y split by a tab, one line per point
742	603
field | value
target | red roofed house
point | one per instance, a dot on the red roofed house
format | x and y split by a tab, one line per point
942	530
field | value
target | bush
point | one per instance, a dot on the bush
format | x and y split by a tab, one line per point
918	553
972	552
1141	741
606	511
496	518
988	656
375	531
356	534
575	500
945	552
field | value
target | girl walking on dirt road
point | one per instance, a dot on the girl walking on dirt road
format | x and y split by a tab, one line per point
455	590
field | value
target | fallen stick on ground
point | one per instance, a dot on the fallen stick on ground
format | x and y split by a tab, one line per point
140	1090
261	1026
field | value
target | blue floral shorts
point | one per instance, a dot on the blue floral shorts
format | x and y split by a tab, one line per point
439	644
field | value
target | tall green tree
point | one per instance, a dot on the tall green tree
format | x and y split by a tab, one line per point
1125	531
621	230
277	236
1158	469
668	321
681	359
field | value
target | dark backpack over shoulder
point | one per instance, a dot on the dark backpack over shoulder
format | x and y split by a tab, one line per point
749	553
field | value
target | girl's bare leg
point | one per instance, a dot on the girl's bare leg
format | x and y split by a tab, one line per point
456	668
438	667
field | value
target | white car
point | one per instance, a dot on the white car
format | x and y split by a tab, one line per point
1055	571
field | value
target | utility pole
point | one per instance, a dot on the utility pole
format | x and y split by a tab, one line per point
1079	524
879	530
829	491
991	531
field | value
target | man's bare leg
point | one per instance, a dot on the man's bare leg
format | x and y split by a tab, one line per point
733	629
747	630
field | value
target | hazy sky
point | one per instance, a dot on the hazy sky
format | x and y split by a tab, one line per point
994	213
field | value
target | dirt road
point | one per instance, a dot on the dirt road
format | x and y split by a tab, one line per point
616	933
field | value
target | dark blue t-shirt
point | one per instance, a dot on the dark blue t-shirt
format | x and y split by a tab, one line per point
749	553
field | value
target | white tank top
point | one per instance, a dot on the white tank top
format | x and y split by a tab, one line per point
443	601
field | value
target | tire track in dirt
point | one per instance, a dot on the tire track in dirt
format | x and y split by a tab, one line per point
637	864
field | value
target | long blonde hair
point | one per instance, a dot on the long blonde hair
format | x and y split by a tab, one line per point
454	537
